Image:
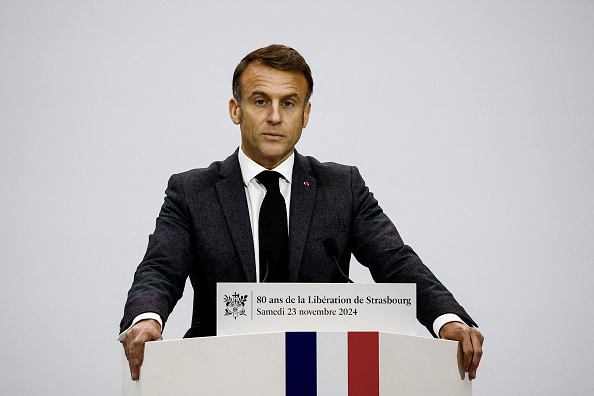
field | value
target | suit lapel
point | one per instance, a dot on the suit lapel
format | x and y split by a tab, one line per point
303	193
233	201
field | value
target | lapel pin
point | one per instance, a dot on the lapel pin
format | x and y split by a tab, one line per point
306	183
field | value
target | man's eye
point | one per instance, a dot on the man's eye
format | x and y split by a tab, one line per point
288	104
260	102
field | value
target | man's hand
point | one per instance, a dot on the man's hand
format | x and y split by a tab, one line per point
471	341
133	343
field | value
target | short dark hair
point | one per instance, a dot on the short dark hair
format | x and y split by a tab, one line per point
278	57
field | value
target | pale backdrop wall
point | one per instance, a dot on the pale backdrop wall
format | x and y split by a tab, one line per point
471	121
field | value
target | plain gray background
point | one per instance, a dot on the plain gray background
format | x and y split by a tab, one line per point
471	121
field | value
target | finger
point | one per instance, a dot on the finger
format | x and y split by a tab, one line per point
134	371
136	349
477	344
468	352
135	358
127	345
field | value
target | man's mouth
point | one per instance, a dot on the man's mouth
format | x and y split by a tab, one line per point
273	135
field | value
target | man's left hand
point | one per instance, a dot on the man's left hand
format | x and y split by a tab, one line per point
471	341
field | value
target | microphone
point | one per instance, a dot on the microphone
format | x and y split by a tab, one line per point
331	247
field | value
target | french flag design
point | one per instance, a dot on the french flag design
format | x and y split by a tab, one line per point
300	364
328	364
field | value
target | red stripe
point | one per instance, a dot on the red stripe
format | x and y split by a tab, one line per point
363	364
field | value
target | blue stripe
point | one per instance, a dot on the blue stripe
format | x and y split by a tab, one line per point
301	364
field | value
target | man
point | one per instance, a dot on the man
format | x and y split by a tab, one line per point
211	225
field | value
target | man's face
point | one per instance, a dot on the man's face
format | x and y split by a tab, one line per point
272	113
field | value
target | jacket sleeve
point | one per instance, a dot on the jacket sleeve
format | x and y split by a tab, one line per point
160	278
377	245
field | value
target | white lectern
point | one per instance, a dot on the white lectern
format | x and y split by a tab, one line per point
300	364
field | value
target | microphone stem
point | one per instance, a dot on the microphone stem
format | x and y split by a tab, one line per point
341	272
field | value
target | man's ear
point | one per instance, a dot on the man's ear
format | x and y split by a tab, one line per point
235	111
306	114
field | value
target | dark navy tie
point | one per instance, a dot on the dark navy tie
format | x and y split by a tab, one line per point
273	234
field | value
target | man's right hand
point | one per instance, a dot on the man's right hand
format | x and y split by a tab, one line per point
133	342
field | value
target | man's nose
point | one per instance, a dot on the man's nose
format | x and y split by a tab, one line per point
274	116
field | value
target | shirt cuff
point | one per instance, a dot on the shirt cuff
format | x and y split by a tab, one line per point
143	316
443	319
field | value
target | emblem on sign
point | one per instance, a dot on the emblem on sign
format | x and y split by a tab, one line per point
235	305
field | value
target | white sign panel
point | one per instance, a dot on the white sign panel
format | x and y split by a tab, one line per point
266	307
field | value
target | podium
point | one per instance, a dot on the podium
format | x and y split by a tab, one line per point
300	364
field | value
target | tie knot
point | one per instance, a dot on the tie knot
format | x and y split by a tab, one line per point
269	179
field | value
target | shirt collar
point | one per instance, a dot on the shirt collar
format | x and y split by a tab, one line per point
251	169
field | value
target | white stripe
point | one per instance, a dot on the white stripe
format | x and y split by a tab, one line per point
332	363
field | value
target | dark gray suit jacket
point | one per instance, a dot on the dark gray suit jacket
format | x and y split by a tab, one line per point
203	231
